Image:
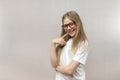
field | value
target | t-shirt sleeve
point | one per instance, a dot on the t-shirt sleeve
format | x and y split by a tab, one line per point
81	54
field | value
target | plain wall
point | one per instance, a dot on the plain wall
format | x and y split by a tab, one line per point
28	26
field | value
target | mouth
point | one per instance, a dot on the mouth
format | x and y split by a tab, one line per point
71	32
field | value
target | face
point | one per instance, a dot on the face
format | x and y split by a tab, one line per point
69	27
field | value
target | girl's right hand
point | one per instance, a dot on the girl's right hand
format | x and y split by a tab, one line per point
60	41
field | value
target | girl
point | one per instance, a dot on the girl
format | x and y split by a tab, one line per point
69	52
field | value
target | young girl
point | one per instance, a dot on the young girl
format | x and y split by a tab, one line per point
69	52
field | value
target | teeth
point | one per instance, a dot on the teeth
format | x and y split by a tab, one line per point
71	31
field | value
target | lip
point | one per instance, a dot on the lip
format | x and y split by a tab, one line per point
71	32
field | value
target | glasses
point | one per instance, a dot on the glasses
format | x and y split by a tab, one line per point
65	26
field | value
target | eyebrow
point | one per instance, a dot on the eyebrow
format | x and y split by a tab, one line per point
67	23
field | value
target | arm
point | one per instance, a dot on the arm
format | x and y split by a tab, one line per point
68	69
79	58
53	57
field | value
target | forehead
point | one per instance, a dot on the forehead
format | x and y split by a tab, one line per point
66	20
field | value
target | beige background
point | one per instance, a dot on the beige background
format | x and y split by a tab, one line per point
27	27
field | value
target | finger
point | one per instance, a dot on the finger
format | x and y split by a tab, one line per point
63	43
64	35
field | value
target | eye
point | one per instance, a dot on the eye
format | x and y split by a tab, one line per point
71	24
68	25
65	25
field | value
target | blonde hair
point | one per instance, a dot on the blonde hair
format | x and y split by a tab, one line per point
80	35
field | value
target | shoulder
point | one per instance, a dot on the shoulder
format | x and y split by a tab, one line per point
83	45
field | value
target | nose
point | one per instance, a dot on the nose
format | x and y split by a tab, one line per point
68	27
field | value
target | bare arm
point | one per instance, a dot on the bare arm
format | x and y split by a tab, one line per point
77	60
68	69
53	57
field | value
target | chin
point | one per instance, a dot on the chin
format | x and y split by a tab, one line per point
71	35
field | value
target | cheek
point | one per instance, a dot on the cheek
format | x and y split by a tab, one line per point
65	30
75	27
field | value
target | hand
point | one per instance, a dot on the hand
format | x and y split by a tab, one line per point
60	40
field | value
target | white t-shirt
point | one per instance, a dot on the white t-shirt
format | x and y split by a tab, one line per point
67	56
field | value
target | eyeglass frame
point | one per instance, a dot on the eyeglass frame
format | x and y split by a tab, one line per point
65	26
